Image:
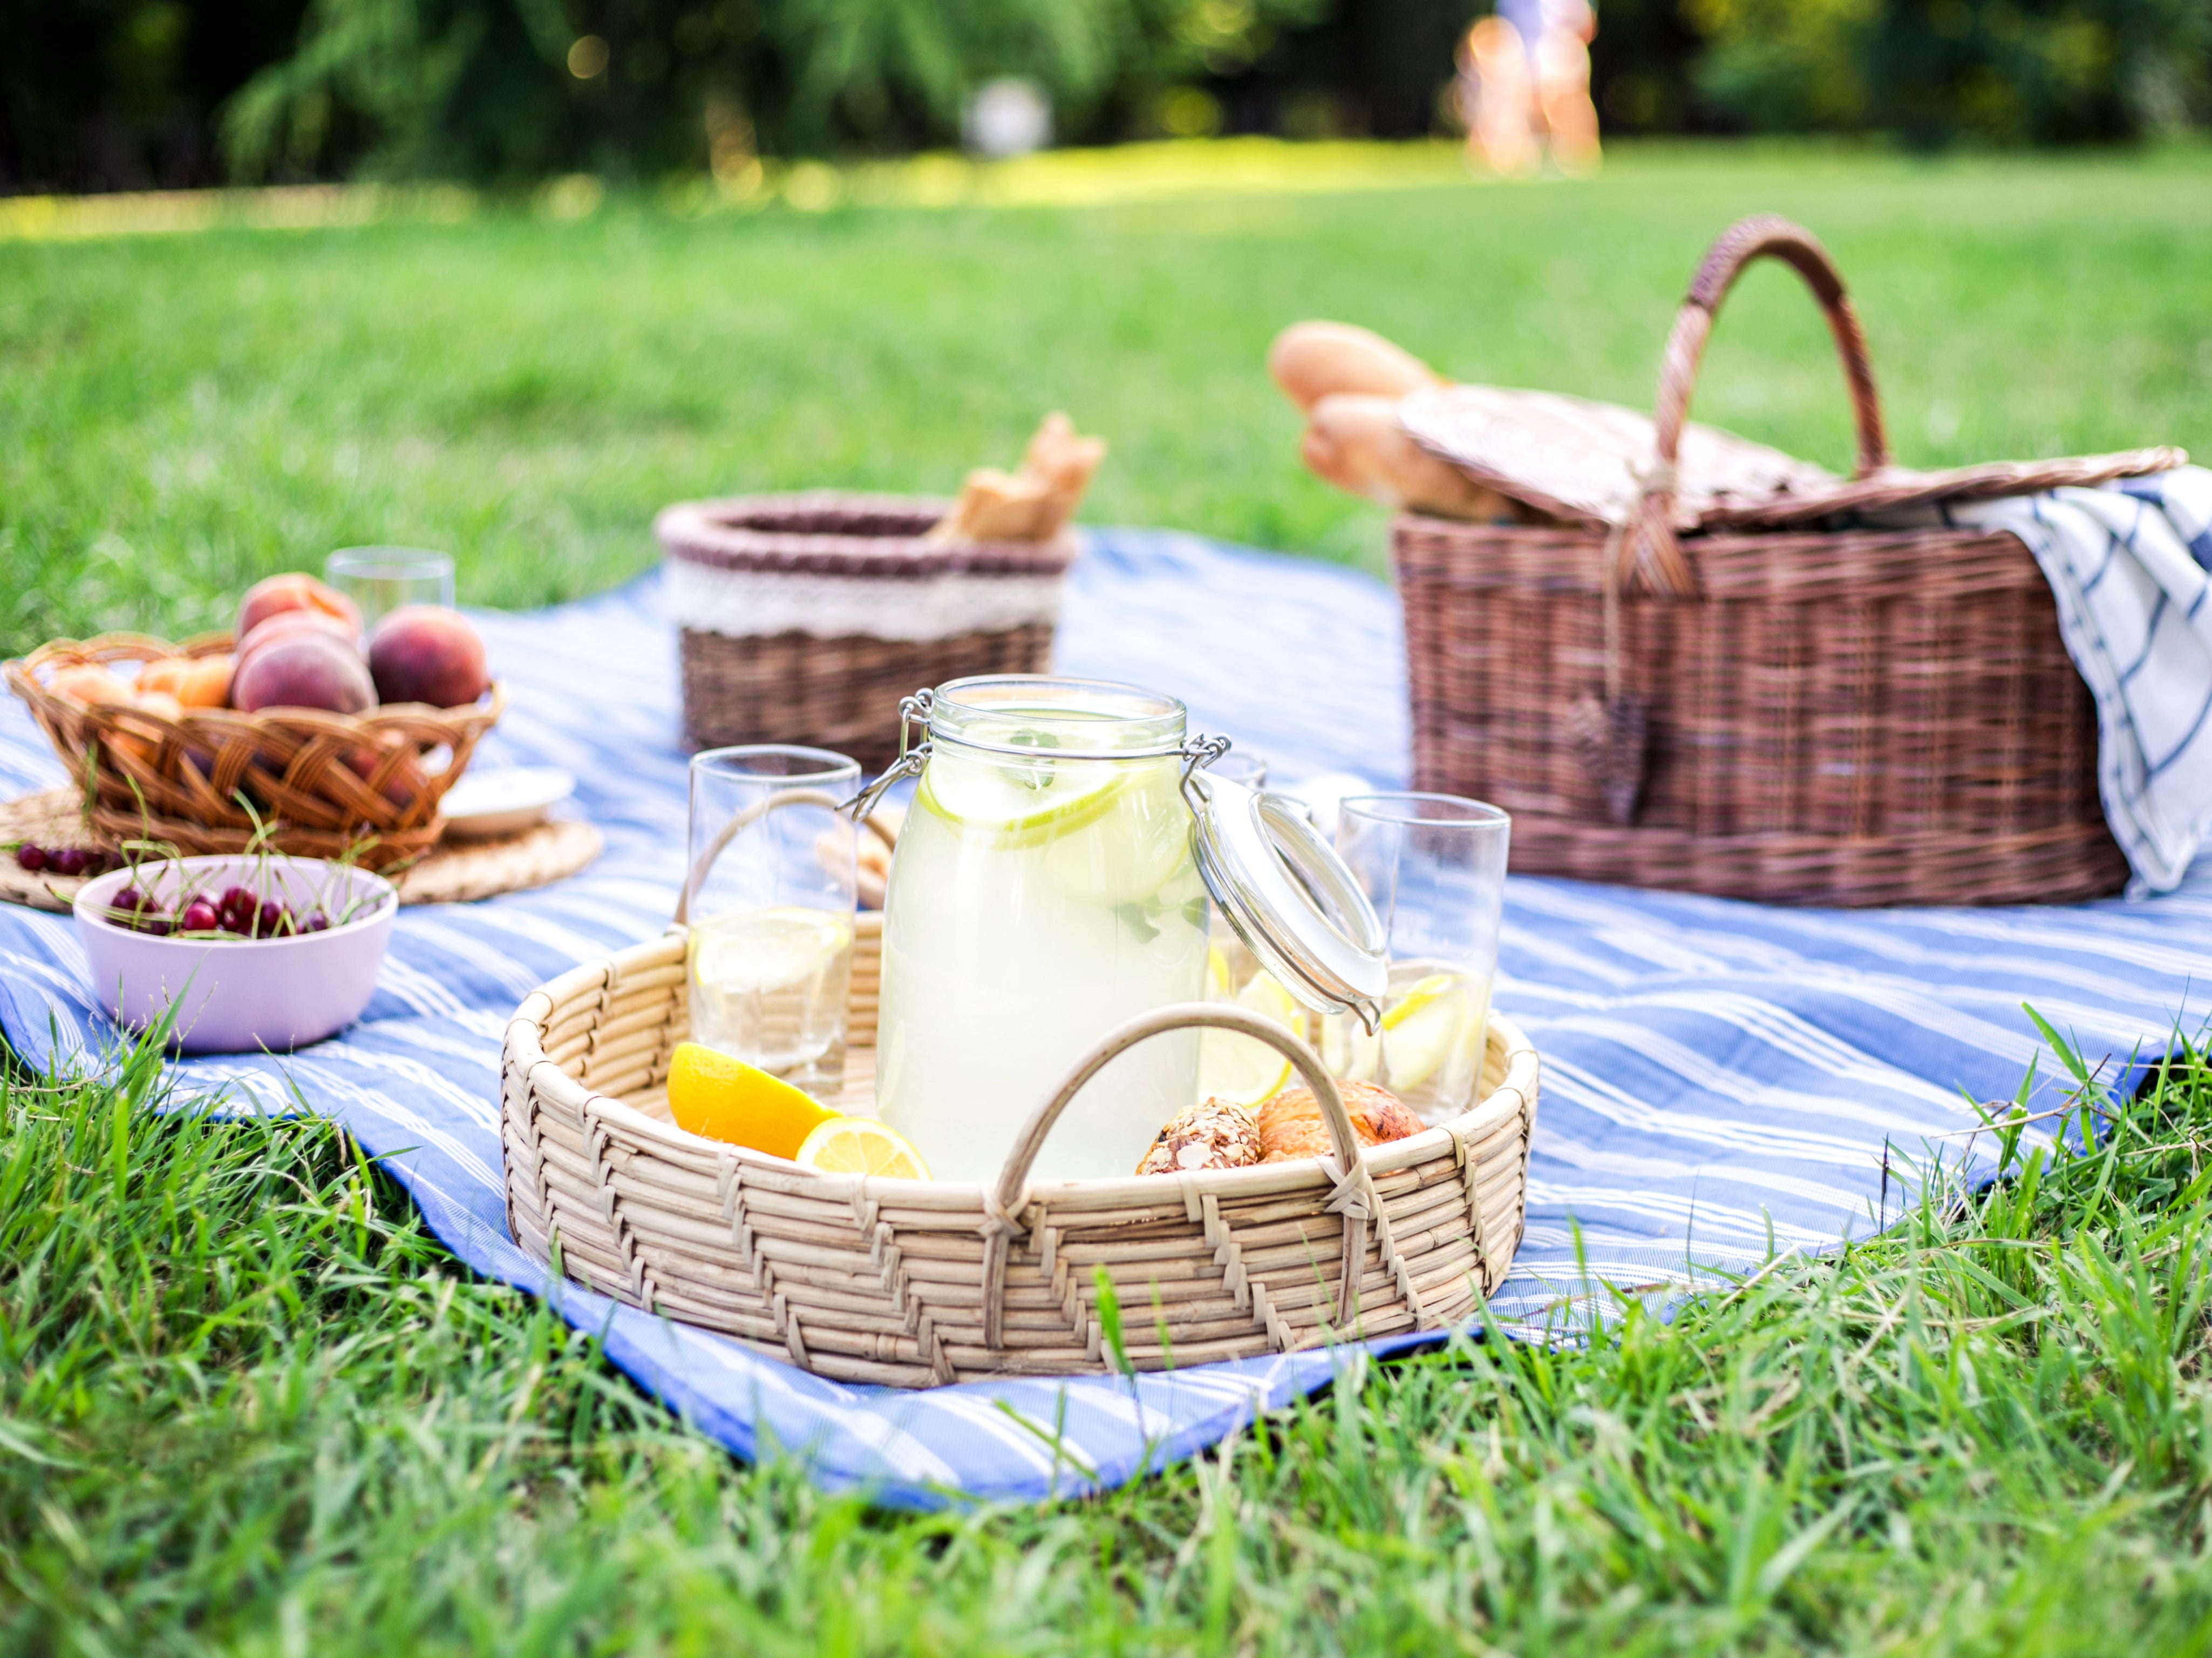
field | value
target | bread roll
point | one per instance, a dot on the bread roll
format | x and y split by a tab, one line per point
1356	443
1312	361
1218	1134
1291	1127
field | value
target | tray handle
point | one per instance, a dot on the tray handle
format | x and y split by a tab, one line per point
1004	1201
1649	546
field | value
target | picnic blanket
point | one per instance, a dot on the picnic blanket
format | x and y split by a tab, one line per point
2131	565
1720	1080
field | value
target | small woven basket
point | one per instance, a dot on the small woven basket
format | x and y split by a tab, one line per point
917	1282
805	618
333	785
1712	693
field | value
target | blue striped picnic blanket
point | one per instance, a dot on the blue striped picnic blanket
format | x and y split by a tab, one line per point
1720	1080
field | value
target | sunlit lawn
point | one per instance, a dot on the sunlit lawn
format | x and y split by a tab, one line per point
180	413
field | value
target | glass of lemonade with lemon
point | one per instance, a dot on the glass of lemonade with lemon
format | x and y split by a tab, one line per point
1043	891
1434	867
769	897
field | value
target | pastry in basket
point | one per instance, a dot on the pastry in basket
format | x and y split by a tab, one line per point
1033	504
1290	1124
1216	1134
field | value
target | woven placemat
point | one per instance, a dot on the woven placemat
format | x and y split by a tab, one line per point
453	874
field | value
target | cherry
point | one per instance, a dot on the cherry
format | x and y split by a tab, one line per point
32	857
65	861
239	908
199	916
316	922
273	919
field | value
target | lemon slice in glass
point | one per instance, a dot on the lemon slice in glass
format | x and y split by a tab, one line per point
1419	1030
1240	1068
861	1145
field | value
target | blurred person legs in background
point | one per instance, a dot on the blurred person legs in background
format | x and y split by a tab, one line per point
1524	87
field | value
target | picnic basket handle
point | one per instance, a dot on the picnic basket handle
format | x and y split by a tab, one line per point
1003	1201
1649	543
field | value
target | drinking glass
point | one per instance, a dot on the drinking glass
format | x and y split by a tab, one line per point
379	580
770	896
1434	867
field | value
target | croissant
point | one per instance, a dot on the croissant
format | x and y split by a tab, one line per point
1291	1127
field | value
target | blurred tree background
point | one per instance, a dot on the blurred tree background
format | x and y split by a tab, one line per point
104	95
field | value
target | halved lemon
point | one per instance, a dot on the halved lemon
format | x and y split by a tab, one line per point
1243	1068
861	1145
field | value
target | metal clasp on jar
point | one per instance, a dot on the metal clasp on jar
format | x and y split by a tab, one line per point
914	714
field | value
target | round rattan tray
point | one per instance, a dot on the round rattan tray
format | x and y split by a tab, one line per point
917	1282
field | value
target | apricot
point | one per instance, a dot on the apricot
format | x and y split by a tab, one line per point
425	653
196	681
89	684
295	590
304	670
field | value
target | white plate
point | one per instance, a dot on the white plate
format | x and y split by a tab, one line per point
488	803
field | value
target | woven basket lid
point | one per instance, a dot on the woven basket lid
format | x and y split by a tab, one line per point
1601	464
1585	462
833	533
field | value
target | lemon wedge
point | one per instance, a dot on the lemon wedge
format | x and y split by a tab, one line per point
711	1093
1420	1028
1242	1068
861	1145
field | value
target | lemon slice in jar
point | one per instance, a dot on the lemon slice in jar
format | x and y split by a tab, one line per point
1242	1068
1419	1030
1024	802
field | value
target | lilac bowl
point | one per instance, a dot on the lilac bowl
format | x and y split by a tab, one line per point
241	995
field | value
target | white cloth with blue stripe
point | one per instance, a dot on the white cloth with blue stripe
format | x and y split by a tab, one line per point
1720	1079
2131	565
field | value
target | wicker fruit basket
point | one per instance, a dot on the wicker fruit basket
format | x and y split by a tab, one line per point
916	1283
1715	677
805	618
333	785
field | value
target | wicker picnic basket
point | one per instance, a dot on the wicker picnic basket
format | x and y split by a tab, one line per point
805	618
917	1282
1712	673
332	785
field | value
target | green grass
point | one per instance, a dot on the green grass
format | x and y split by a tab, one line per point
179	415
247	1406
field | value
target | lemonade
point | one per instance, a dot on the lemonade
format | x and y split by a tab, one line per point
1035	901
768	987
1429	1051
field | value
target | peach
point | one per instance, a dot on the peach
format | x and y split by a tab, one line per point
196	681
293	590
305	670
424	653
406	781
285	623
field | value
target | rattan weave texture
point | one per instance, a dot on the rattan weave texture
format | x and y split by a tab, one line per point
916	1283
333	785
1856	717
860	605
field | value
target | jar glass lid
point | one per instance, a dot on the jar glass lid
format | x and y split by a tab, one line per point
1286	893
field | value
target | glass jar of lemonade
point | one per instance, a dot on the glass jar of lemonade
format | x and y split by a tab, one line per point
1044	892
